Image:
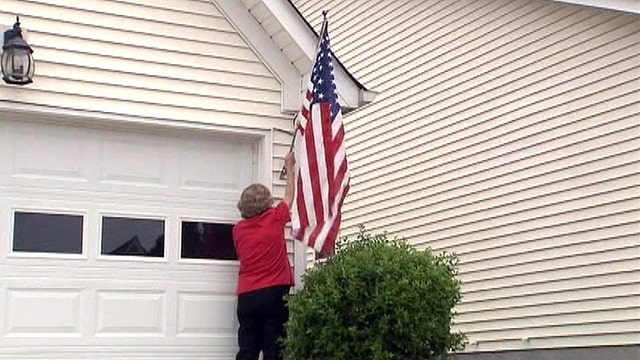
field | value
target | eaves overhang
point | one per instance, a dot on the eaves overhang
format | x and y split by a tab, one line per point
286	42
631	6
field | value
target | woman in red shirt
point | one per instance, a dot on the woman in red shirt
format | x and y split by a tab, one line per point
265	272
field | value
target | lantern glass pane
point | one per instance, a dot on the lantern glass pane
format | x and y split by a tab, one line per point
5	63
17	65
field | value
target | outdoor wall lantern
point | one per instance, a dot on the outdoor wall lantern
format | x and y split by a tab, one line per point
17	62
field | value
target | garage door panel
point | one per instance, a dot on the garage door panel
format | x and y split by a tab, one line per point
211	166
119	306
37	312
65	157
52	152
205	314
42	312
131	313
86	304
135	160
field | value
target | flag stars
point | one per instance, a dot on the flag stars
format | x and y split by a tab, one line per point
322	78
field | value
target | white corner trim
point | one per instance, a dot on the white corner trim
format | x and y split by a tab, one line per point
632	6
300	262
239	16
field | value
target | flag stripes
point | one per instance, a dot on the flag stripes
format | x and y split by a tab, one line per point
322	173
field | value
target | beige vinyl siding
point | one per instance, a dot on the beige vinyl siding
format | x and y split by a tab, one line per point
178	60
507	132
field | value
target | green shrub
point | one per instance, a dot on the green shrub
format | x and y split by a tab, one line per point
376	299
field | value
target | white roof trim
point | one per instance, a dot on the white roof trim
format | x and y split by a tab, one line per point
352	94
632	6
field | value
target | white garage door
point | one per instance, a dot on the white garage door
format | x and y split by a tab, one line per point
115	244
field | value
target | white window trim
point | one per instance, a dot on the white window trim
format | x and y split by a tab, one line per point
212	220
132	258
9	234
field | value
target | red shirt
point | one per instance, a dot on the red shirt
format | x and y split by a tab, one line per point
262	250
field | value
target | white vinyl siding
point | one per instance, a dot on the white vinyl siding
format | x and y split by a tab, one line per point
507	132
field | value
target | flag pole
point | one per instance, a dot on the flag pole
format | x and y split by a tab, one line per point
283	171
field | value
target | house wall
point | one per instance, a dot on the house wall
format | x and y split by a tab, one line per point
176	63
179	60
507	132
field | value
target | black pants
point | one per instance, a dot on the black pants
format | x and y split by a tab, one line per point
262	315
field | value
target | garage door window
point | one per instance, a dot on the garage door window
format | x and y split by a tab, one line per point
202	240
132	237
47	233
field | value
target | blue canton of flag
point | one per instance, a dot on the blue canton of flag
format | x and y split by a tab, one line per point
322	78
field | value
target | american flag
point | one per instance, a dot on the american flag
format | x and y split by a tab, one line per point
322	174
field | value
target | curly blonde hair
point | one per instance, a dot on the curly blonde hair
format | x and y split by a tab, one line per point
255	200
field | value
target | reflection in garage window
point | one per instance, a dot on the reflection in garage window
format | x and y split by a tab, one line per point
49	233
202	240
132	237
